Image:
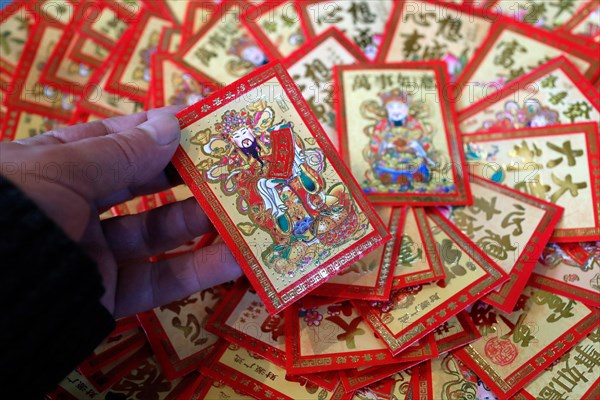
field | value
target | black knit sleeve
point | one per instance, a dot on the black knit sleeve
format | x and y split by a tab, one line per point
51	317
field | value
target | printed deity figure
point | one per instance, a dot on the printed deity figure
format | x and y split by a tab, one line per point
248	51
279	186
399	150
531	115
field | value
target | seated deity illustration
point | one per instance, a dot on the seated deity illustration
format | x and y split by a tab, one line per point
514	116
278	183
399	152
248	56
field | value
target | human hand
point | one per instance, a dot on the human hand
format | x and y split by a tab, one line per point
76	172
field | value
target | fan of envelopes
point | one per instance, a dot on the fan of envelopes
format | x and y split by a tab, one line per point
412	190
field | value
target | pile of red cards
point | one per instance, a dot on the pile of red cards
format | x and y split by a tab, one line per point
412	189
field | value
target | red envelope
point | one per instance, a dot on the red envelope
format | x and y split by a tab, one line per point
289	232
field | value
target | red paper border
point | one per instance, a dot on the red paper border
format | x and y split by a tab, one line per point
217	325
527	81
436	270
569	46
191	176
84	25
99	360
231	377
470	334
331	33
186	29
78	56
220	11
462	195
353	379
92	107
249	18
130	39
383	283
466	10
538	362
296	363
104	380
523	266
157	89
14	7
590	129
468	294
59	54
13	99
171	365
587	297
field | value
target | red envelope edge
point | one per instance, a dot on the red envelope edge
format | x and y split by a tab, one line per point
297	363
469	334
18	93
385	269
353	379
250	18
120	350
568	45
157	90
327	380
508	295
527	82
436	270
171	365
240	382
125	324
165	348
102	380
399	341
216	324
504	391
275	301
124	54
9	10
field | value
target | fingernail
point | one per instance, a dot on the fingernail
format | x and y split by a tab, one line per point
163	128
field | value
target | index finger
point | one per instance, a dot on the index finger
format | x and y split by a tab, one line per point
98	128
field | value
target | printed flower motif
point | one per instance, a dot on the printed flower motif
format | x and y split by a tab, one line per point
313	317
386	179
384	306
570	278
344	308
324	253
305	261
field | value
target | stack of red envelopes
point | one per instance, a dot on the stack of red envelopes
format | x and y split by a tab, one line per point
412	189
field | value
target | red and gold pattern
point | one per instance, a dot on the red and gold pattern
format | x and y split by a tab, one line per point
512	84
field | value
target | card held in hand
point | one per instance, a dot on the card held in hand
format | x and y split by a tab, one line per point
260	165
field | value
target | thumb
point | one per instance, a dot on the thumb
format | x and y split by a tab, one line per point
132	157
